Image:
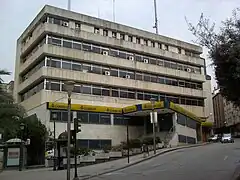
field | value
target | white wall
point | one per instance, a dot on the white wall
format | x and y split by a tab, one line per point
186	131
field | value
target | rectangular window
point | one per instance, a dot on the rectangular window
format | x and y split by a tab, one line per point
96	90
115	93
86	89
105	119
174	65
122	55
159	45
55	41
96	49
77	26
77	89
114	72
153	78
123	94
76	67
122	36
105	32
131	95
152	44
161	80
145	42
113	52
96	69
55	115
77	45
67	44
139	76
167	64
122	73
146	77
138	58
138	40
66	65
53	86
86	47
86	67
94	118
130	38
96	30
153	61
147	97
105	92
114	34
83	116
140	96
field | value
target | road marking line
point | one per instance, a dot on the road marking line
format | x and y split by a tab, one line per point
225	158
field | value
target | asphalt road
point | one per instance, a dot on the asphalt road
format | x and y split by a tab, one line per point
212	162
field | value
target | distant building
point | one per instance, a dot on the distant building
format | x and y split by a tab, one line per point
114	67
226	115
9	87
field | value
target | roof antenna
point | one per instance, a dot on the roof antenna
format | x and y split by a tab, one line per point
113	10
69	5
156	20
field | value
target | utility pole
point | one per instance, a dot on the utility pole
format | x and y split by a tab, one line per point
156	19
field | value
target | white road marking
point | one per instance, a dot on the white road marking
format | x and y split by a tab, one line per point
225	158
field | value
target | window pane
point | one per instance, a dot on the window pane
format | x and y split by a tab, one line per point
96	49
86	89
94	144
131	95
76	67
122	55
55	115
86	47
96	90
76	46
153	61
86	67
140	96
139	76
161	80
55	86
66	65
65	116
83	143
56	64
123	94
67	44
105	92
56	41
167	64
94	118
139	58
113	52
105	119
147	97
115	93
146	78
105	143
114	72
122	73
83	116
97	69
154	79
77	89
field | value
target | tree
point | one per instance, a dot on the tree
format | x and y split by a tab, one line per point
12	115
224	50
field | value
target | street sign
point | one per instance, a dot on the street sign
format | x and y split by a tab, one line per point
153	117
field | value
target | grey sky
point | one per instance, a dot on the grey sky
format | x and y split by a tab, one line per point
15	15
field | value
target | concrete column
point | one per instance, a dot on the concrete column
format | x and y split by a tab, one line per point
174	119
134	39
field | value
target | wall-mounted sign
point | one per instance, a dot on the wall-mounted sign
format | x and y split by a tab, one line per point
129	109
157	105
13	156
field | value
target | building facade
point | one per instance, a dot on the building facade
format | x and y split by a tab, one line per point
226	115
113	65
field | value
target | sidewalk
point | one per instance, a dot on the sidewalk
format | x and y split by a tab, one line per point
85	172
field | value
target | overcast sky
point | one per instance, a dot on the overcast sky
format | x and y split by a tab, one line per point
15	16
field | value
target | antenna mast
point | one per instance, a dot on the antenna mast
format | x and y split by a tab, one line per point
69	5
113	10
156	20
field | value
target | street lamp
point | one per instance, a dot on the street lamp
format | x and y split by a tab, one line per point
128	141
69	85
153	100
54	139
22	127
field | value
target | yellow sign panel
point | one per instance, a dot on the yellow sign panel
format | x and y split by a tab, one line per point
81	107
157	105
129	109
183	111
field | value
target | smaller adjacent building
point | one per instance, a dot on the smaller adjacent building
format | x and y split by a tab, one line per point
226	115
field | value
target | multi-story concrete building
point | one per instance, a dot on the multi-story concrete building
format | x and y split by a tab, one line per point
114	66
8	87
226	115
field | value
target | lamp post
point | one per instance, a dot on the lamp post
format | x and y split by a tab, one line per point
54	139
153	100
22	127
69	85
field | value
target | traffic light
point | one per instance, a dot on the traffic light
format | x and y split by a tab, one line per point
77	125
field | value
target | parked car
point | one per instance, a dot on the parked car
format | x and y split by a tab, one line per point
227	138
214	138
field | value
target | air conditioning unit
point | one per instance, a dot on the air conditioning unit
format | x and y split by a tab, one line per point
131	58
145	61
65	24
127	76
105	53
189	70
107	73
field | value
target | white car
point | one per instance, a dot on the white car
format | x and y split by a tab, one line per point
227	138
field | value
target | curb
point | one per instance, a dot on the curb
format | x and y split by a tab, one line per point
142	160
